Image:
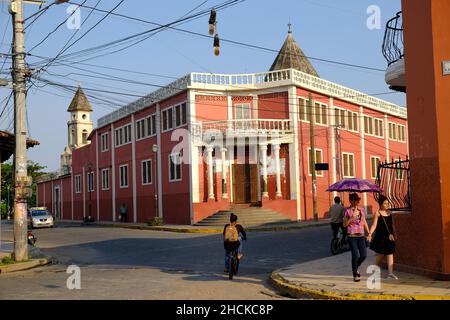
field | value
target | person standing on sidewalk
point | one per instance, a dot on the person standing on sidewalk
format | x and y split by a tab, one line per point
337	217
355	222
383	242
123	213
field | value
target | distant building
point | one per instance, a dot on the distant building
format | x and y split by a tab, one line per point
222	140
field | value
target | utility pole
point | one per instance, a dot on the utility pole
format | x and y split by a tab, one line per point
21	179
313	158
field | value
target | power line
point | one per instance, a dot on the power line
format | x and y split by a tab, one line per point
246	44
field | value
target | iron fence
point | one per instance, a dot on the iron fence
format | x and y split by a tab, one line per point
393	49
394	179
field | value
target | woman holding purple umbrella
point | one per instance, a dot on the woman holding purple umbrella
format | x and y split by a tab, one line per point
355	222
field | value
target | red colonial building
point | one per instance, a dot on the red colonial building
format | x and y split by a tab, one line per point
206	142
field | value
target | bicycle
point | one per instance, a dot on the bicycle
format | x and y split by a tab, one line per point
233	264
338	243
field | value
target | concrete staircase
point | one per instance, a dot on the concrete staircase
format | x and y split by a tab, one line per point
248	216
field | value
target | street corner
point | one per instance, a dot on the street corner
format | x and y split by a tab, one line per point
22	266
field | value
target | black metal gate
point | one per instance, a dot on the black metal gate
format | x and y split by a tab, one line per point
394	179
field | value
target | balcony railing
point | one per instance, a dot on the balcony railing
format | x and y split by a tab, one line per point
394	179
393	49
244	127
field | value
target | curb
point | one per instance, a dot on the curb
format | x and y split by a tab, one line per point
21	266
198	230
298	291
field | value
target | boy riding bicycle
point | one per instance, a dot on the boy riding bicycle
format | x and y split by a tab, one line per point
233	234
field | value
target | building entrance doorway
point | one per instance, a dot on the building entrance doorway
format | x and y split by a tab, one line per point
245	183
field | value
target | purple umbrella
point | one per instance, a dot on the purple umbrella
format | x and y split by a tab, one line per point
354	185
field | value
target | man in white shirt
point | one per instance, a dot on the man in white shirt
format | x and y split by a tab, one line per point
337	216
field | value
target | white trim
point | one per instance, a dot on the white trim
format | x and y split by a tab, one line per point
78	183
363	155
373	121
347	119
133	166
354	168
321	114
113	173
98	179
119	129
121	186
174	125
321	151
142	172
158	139
101	141
148	134
294	159
107	171
333	144
386	124
61	199
194	187
84	191
72	191
177	154
305	111
371	167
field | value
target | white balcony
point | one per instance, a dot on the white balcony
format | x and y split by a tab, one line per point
395	75
269	128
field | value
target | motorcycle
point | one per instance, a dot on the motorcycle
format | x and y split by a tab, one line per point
31	238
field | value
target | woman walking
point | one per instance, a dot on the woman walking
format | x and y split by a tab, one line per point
355	222
383	242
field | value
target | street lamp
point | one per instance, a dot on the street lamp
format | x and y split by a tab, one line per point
155	160
90	185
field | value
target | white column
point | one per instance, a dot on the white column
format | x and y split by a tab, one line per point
224	174
61	200
72	189
133	166
263	149
294	157
98	176
83	186
386	135
209	149
158	141
193	155
113	172
333	157
363	154
276	148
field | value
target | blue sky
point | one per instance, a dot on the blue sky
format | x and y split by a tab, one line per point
326	29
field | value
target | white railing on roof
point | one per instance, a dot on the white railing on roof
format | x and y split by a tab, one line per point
254	81
240	79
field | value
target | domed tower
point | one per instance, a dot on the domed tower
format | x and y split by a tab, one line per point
79	128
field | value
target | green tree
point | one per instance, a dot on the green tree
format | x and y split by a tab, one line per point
35	170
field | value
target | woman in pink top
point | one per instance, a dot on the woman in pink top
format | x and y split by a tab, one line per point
355	222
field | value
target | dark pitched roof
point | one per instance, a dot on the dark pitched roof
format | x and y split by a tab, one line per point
291	56
8	142
79	102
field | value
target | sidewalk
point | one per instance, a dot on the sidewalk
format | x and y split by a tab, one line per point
198	229
331	278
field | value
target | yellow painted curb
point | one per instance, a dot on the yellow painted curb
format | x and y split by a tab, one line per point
21	266
299	291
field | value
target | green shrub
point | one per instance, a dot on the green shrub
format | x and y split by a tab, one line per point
7	260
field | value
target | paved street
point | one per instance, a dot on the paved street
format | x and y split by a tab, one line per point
121	263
